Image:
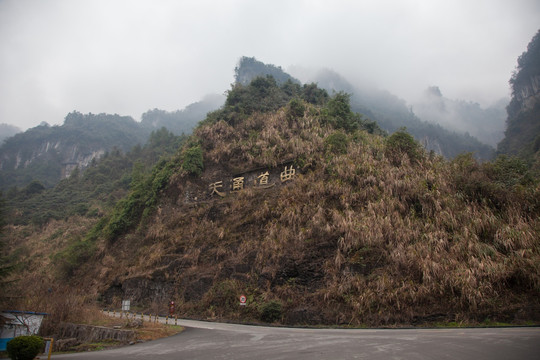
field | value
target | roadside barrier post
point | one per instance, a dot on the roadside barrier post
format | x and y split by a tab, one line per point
48	347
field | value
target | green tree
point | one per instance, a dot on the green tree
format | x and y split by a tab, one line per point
336	143
340	116
192	160
5	267
314	95
295	109
399	143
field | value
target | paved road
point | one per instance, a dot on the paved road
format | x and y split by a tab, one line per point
204	340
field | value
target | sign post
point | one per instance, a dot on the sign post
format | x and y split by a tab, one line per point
125	306
48	347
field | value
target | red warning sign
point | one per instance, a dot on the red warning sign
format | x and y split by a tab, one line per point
243	299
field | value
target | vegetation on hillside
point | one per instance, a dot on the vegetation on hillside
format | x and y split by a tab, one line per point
42	154
92	191
392	113
250	68
6	266
370	230
528	67
522	135
374	232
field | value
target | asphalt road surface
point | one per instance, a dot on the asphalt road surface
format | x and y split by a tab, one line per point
205	340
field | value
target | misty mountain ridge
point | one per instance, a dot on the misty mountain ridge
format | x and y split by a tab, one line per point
393	113
487	124
249	68
182	121
21	160
7	131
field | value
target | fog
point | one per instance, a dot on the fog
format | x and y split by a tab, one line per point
129	56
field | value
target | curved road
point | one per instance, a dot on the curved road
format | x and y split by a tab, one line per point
204	340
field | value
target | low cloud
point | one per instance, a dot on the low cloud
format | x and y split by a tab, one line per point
130	56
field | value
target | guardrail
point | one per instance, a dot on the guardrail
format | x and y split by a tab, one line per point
144	317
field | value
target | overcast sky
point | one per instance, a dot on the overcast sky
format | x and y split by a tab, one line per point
130	56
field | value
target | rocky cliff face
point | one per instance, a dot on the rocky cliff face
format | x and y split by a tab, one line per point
71	156
528	94
522	135
50	153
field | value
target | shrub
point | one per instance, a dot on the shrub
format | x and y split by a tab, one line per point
295	109
73	256
141	201
340	115
508	171
192	160
399	143
24	347
336	143
313	95
35	187
271	311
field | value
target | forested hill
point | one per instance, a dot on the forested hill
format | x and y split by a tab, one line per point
289	197
47	154
392	113
522	136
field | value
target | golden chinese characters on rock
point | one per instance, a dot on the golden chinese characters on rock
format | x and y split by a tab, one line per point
262	180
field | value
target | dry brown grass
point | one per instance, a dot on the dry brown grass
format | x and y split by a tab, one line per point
354	237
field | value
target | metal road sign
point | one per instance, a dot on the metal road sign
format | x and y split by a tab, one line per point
243	299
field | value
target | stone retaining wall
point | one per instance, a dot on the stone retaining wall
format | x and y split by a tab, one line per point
89	333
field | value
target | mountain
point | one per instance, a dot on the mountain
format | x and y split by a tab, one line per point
392	113
48	154
522	135
249	68
289	197
182	121
487	125
7	131
90	191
